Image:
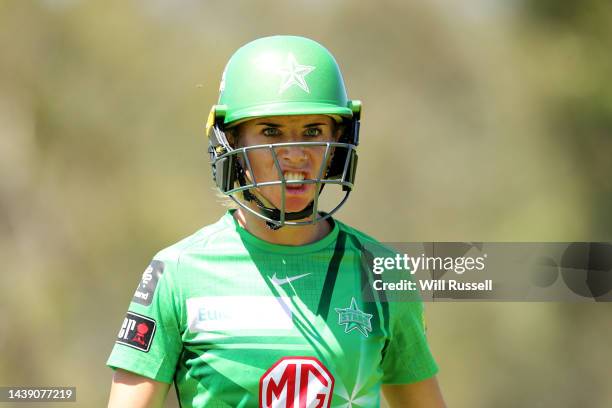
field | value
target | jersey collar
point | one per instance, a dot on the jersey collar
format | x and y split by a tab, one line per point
250	239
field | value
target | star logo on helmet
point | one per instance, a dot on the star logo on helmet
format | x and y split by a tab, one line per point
294	74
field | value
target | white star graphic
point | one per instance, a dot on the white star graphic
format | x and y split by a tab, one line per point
293	74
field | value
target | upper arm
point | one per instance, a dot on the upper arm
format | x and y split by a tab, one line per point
149	341
132	390
407	359
422	394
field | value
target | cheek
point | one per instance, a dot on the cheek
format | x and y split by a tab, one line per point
262	162
318	158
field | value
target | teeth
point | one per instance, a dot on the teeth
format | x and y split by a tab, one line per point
289	175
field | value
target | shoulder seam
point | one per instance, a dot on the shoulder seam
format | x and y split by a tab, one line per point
356	234
191	244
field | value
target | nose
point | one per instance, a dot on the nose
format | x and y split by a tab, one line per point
292	155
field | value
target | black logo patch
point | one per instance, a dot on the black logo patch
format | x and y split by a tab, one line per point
148	283
137	331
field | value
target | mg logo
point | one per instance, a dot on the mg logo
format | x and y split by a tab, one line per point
296	382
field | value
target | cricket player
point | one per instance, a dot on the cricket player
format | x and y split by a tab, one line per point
268	307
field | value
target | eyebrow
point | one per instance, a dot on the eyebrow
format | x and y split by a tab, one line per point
270	124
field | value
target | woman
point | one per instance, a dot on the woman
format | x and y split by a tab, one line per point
268	307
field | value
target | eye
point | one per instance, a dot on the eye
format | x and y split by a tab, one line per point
271	131
312	132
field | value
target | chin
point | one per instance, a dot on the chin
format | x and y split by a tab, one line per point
295	204
295	201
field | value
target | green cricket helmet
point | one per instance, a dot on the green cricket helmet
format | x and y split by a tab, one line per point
273	76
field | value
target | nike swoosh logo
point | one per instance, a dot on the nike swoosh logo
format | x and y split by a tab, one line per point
287	279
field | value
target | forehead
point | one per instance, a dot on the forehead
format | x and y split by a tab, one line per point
291	120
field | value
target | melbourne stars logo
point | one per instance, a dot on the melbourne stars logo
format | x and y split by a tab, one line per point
293	73
353	318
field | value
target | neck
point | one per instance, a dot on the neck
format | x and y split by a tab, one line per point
287	235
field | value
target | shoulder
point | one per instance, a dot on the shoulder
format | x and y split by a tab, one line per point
354	232
197	241
363	241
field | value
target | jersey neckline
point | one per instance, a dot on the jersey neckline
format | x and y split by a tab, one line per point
251	239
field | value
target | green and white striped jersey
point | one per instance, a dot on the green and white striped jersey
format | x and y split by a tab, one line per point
236	321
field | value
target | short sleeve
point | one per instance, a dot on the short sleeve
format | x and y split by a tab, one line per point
407	358
149	341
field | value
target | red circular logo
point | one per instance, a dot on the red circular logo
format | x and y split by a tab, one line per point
296	382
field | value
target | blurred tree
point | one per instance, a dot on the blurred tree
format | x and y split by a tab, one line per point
102	162
575	39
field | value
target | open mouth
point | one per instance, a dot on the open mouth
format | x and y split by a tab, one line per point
295	176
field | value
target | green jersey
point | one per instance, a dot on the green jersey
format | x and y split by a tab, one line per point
235	321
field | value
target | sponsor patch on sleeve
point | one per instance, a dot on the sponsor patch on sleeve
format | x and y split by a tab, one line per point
137	331
145	290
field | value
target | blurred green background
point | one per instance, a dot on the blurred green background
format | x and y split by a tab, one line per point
484	121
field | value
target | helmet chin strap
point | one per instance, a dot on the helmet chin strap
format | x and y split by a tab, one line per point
273	213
